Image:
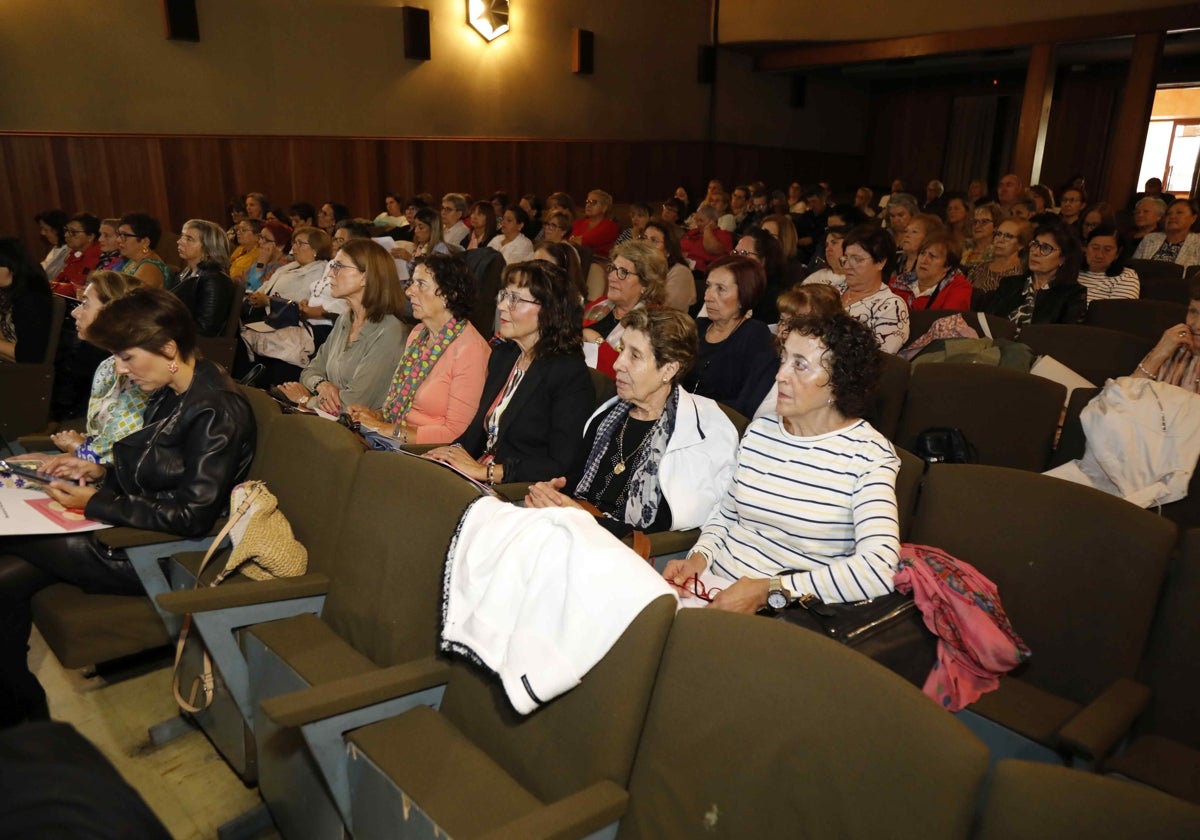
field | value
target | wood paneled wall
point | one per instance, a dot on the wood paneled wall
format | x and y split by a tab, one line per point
176	178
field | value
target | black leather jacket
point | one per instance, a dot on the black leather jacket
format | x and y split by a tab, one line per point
175	473
207	292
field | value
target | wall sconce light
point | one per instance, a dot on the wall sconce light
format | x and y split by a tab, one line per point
488	17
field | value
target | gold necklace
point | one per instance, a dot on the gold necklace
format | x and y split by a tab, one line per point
621	456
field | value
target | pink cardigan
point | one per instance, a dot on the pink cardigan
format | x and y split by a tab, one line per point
449	396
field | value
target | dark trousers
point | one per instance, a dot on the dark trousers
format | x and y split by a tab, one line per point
27	565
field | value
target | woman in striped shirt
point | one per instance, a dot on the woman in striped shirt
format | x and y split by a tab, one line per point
1105	277
811	510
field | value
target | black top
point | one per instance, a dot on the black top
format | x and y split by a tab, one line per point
31	315
1058	303
540	430
208	293
176	472
721	369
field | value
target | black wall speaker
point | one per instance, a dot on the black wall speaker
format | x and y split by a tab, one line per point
181	23
706	65
416	33
583	52
799	91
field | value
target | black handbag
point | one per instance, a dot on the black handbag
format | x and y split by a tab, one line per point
283	313
944	445
889	629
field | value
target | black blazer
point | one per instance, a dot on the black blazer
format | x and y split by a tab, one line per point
175	473
208	294
542	428
1058	303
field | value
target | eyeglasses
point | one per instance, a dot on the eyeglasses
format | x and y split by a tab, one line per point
335	267
622	273
123	235
1044	249
742	252
1003	234
591	201
266	239
693	586
852	260
513	299
982	222
73	231
296	243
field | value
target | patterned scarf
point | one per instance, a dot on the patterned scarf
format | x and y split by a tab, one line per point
8	330
642	493
419	358
1023	314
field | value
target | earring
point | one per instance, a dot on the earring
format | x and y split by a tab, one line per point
173	366
829	401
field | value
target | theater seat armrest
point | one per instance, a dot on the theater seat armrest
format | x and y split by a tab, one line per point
37	443
420	448
514	491
243	594
355	692
121	537
672	542
579	815
1097	728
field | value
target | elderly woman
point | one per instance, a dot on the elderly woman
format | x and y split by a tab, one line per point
204	284
482	222
704	241
1176	243
453	209
1095	215
867	258
137	234
636	277
538	392
83	255
1148	216
115	405
257	206
557	226
274	242
1049	292
986	221
285	351
355	364
1008	244
110	246
25	305
1072	201
511	242
731	342
901	208
245	252
938	282
1176	358
910	241
436	387
681	283
1105	278
759	394
655	458
833	273
811	510
174	474
52	226
596	230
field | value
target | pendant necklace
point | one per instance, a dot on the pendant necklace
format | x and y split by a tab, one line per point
621	456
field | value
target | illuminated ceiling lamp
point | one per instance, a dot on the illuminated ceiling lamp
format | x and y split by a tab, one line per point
488	17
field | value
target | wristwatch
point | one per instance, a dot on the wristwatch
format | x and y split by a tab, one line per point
777	596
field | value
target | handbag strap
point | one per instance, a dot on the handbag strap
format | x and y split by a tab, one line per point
984	325
205	681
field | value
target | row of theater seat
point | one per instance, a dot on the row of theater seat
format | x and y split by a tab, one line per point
339	648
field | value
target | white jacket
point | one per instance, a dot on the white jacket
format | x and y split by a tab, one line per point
1143	439
1189	252
698	464
539	595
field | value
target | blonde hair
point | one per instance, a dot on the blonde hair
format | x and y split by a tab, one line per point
650	266
112	285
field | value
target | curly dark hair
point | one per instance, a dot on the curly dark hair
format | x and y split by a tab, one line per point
854	357
456	282
560	311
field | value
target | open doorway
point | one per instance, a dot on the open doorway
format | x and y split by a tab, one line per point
1173	140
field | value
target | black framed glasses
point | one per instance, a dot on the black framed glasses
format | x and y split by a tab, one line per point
622	273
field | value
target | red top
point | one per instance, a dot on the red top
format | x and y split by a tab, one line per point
71	280
599	238
952	294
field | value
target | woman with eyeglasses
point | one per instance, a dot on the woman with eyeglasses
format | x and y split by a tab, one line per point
833	273
1176	243
556	226
1049	292
245	252
680	282
204	285
937	282
538	392
83	255
137	235
636	277
811	510
285	351
867	259
355	364
274	242
766	250
596	230
436	387
1008	247
986	220
654	457
731	342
